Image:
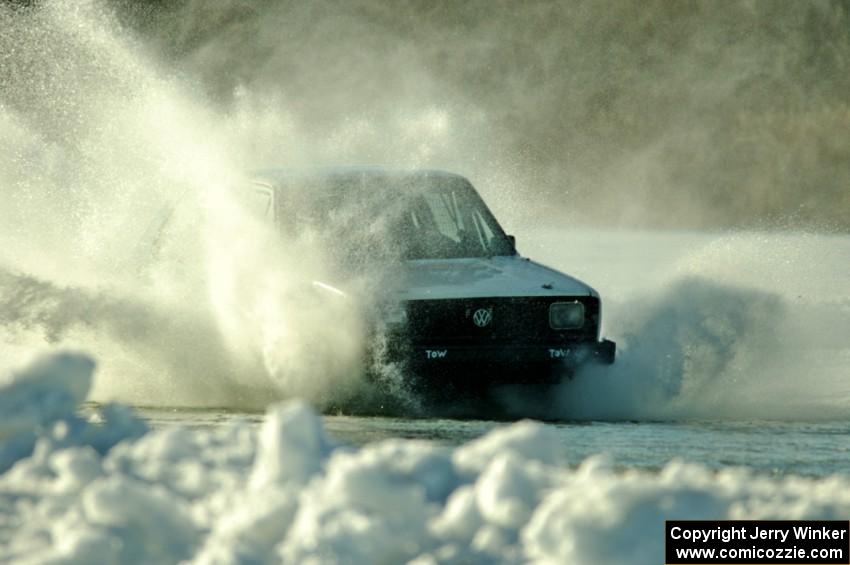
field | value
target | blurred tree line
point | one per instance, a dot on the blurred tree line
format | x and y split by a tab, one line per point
692	113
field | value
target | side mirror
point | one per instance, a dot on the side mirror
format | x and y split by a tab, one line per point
512	239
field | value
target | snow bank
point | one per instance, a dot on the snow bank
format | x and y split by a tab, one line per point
38	410
73	491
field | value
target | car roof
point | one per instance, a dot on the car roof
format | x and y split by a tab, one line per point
278	175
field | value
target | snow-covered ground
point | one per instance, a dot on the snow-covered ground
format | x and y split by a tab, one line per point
108	490
119	236
732	326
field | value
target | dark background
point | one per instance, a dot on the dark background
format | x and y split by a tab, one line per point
642	113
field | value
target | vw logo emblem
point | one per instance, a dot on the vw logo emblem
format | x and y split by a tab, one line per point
482	317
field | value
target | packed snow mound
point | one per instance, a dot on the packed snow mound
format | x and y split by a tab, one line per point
39	406
110	491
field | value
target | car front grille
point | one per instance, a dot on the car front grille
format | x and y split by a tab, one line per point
512	320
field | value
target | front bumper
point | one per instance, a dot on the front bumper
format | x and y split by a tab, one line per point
513	357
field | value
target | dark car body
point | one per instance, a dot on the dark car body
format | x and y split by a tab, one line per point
467	309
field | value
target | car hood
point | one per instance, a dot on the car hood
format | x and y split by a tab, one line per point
501	276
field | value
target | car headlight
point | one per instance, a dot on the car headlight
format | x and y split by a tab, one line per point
566	315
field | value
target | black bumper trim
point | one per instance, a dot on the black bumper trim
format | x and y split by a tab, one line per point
574	354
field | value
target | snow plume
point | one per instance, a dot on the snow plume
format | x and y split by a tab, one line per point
114	492
120	232
687	352
740	325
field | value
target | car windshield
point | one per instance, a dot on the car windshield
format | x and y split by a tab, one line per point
407	216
